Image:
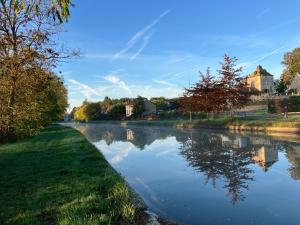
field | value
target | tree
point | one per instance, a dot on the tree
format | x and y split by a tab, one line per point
280	87
72	113
217	95
232	87
138	107
161	103
92	111
201	96
117	111
88	111
27	55
291	62
106	104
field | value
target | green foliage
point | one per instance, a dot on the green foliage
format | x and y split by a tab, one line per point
161	103
88	111
117	112
280	87
106	104
294	104
291	104
72	113
138	107
92	111
291	62
278	105
41	100
31	96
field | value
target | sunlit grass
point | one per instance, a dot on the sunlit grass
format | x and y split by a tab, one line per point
58	177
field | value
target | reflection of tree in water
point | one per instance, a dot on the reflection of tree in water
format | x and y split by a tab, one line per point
216	155
207	154
138	136
293	155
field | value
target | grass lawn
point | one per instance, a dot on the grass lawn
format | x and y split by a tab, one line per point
264	121
58	177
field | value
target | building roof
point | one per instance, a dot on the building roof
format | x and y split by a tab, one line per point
295	84
260	72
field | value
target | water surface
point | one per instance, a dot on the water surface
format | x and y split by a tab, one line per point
206	177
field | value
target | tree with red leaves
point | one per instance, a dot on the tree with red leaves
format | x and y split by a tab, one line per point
232	87
200	97
217	95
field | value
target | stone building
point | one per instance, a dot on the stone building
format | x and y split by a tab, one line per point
261	81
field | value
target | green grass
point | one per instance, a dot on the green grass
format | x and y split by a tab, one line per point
251	121
58	177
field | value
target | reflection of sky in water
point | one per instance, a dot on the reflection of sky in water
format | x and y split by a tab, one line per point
206	177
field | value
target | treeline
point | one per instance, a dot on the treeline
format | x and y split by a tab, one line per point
31	94
108	109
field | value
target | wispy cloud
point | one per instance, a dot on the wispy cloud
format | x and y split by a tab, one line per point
84	89
119	83
263	57
163	82
138	36
146	40
262	13
108	56
242	40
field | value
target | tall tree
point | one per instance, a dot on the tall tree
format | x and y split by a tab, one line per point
138	107
280	87
106	104
27	55
201	96
232	86
291	62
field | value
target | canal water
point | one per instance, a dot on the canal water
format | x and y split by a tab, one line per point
206	177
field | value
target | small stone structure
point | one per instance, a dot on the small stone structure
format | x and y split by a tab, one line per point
261	81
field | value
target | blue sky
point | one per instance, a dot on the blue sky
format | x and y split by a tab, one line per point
157	47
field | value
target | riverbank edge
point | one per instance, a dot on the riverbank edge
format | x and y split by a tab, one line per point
285	127
255	126
241	127
70	154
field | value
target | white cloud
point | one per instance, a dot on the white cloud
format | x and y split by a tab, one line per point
138	36
119	83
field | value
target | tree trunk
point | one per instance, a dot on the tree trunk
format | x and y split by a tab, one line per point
11	102
190	116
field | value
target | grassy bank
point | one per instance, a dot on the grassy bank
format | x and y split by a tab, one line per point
58	177
246	122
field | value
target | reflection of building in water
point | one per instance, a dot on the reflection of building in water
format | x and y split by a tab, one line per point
240	142
130	135
265	156
237	142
